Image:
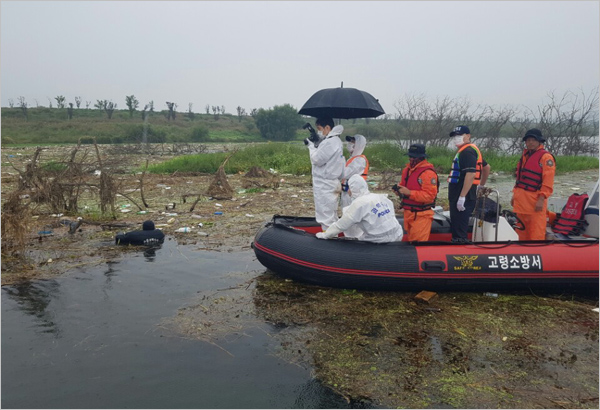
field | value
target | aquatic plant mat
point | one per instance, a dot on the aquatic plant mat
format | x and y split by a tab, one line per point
464	350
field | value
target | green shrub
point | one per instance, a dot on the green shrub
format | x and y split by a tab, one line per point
250	126
54	167
199	134
103	140
279	123
135	134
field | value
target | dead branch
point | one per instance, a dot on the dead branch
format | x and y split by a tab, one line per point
142	185
195	203
128	197
14	223
107	188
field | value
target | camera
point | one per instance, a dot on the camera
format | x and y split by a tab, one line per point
313	134
396	189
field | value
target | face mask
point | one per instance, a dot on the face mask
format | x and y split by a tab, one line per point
458	140
414	161
320	134
350	147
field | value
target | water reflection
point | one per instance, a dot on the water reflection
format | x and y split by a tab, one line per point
114	353
34	299
109	274
150	253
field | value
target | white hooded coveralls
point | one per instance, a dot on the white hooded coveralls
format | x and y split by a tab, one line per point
372	213
356	167
327	167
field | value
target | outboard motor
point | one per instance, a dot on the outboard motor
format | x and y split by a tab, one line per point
489	224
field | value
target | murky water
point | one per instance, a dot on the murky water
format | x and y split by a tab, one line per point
92	339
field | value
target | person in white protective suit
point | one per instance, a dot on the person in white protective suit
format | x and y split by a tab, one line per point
372	213
327	159
357	164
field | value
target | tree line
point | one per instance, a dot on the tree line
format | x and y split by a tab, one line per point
568	121
132	104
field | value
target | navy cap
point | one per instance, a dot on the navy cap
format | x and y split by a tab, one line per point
534	133
460	130
417	151
148	226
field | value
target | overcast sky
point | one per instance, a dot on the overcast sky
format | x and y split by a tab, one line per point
262	54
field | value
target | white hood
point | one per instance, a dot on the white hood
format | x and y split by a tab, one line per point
358	186
360	142
336	131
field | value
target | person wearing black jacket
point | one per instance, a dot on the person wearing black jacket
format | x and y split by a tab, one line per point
469	170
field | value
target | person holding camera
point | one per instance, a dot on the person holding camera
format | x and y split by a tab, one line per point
327	159
418	189
469	170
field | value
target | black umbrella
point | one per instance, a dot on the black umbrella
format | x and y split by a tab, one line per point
342	103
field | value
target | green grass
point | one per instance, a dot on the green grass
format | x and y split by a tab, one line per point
570	163
286	158
293	158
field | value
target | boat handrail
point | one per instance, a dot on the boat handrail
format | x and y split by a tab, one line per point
484	192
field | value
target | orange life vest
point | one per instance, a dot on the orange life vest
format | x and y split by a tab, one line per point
366	170
412	182
529	173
